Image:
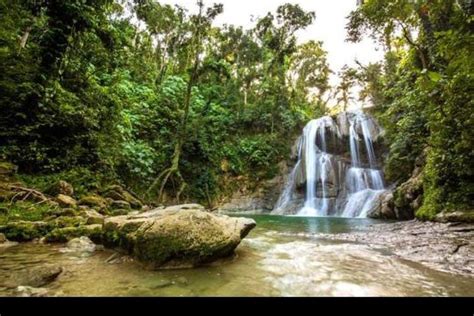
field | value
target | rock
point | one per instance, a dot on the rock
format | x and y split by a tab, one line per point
62	212
93	217
34	277
94	232
113	257
66	201
7	169
176	236
181	280
456	216
67	221
81	244
174	208
5	194
118	193
3	239
383	207
94	201
28	291
161	284
446	247
25	231
60	187
118	204
119	212
291	208
257	200
295	149
408	196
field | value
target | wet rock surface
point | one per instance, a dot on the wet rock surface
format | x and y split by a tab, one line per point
33	277
81	244
443	246
179	236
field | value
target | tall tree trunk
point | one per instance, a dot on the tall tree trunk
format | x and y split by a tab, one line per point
165	175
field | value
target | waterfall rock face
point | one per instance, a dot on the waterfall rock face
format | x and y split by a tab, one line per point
337	170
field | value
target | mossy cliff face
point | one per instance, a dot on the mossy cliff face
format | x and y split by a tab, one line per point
176	236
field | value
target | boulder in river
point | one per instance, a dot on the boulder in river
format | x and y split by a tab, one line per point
34	277
176	237
81	244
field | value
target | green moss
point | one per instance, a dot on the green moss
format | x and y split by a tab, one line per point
7	168
82	179
118	238
68	221
25	231
25	211
94	200
94	232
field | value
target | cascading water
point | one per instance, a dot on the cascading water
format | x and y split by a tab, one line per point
332	184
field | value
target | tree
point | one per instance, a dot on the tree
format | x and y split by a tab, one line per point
425	107
201	25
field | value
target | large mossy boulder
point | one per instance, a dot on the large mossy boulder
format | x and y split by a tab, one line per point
176	237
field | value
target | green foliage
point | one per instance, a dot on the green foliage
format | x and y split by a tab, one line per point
82	179
427	105
23	211
91	98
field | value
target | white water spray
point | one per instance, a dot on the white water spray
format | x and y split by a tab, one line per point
325	193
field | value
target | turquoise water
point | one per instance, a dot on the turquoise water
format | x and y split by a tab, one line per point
312	225
280	257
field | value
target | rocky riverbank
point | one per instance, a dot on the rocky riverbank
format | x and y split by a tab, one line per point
176	236
443	246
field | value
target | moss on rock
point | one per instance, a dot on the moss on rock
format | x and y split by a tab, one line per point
94	201
118	193
65	234
176	237
24	230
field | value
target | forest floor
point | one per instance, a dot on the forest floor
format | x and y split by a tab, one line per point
442	246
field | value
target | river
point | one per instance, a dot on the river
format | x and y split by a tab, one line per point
282	256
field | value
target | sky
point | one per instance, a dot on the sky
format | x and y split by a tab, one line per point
328	27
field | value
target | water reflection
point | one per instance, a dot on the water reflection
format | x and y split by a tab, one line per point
313	225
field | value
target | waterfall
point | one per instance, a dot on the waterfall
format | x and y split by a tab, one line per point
332	186
287	193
